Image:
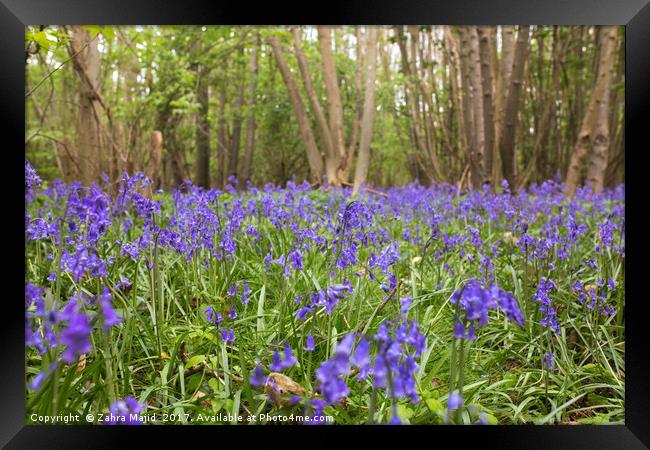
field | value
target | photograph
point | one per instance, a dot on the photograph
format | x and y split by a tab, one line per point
325	224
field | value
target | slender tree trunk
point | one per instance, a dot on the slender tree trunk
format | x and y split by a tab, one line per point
358	98
617	148
155	157
467	102
508	53
593	117
482	174
600	142
363	160
454	74
488	117
88	141
335	106
544	124
314	103
236	129
313	154
202	125
428	112
222	144
507	146
250	125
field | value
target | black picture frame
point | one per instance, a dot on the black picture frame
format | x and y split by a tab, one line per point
633	14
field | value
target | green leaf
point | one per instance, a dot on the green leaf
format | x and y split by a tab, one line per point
595	420
404	412
214	384
42	40
194	360
434	405
260	310
93	29
108	33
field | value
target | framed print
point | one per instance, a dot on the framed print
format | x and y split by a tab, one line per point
386	219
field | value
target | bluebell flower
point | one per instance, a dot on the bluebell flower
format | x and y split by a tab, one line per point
227	335
548	360
125	412
454	401
310	343
76	338
280	363
257	377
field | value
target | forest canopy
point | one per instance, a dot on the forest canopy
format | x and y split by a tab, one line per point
343	105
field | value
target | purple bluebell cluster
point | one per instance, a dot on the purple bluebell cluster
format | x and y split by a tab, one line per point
475	301
392	367
594	297
326	298
283	361
542	297
215	318
125	412
67	328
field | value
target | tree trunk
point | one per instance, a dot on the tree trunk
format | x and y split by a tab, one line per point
88	142
202	134
358	98
236	128
478	110
593	118
222	144
250	125
314	103
488	116
367	121
313	154
466	80
335	108
155	157
507	145
544	124
599	155
456	94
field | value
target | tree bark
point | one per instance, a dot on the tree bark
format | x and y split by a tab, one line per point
88	138
467	101
155	157
202	133
507	52
544	124
451	46
363	161
236	128
488	106
592	130
313	154
600	142
222	141
507	145
335	108
250	125
358	98
312	96
478	110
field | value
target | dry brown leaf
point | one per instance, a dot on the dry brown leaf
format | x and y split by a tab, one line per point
279	386
81	365
198	395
